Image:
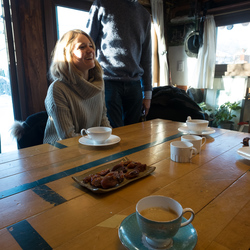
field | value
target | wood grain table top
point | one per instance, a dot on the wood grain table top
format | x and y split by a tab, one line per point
42	207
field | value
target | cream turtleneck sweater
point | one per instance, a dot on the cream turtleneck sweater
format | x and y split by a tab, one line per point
72	107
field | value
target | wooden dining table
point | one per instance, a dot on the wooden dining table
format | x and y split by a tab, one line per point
43	207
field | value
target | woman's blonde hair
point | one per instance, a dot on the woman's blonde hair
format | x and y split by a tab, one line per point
62	66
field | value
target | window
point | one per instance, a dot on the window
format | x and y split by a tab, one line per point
237	51
231	18
232	54
76	19
7	143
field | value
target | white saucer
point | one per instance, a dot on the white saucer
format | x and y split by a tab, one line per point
113	139
132	238
208	131
244	152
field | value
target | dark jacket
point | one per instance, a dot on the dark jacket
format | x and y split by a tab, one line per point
174	104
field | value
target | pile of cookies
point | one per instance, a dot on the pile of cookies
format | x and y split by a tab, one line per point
109	178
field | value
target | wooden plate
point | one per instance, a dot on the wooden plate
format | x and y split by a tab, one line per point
79	179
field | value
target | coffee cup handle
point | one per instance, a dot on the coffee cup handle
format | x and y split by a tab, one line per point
185	210
193	152
84	132
204	141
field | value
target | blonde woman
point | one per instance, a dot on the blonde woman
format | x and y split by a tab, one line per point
75	100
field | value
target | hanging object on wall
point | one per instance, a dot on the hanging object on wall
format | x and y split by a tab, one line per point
194	39
192	43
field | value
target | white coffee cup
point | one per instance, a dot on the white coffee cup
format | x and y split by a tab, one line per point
196	126
182	151
196	140
97	134
157	231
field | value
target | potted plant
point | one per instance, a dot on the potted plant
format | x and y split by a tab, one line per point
204	107
223	116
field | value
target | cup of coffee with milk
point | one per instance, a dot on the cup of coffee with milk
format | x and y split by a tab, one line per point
159	219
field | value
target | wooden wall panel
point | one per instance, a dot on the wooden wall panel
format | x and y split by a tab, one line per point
33	58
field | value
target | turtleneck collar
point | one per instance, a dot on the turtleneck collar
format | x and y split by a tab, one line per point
87	88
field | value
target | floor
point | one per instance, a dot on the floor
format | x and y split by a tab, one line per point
8	143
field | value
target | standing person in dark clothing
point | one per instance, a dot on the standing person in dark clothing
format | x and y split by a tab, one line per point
121	30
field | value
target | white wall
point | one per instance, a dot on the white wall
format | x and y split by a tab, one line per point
178	57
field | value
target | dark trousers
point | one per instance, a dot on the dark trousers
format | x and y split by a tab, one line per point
123	102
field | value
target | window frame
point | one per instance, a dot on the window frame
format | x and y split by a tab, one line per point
12	61
229	18
51	22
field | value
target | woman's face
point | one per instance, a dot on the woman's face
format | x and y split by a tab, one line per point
83	53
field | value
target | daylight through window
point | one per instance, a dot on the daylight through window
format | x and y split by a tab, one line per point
233	44
69	19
